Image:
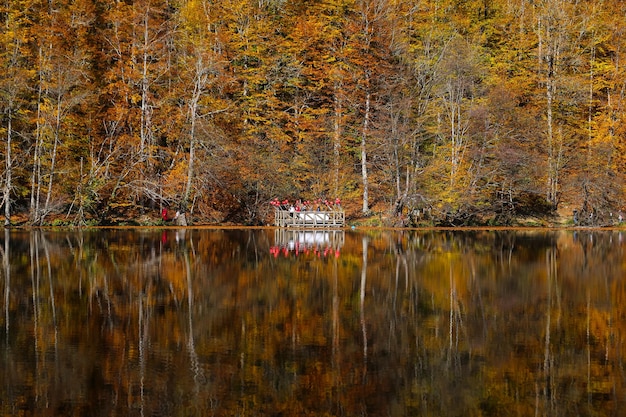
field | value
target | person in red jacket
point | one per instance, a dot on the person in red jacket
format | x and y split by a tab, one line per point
167	215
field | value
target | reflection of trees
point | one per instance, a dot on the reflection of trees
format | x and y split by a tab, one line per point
455	322
408	323
95	342
6	267
497	301
546	385
362	304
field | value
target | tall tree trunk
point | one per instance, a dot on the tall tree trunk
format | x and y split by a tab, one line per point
200	80
193	109
397	173
6	200
364	135
35	179
549	29
458	86
552	190
53	159
336	139
145	116
14	76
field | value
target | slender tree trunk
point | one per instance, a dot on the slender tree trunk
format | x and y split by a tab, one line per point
144	92
336	140
365	133
55	147
590	105
550	85
555	147
550	45
396	164
35	179
6	200
200	80
193	106
14	85
395	142
458	127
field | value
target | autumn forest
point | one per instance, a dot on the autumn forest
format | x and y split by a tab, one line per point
440	111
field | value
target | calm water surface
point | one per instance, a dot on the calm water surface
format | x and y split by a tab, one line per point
264	322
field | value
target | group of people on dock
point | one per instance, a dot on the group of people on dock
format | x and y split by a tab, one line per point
306	205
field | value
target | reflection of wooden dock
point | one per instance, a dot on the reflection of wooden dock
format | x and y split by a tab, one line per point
304	219
289	241
290	238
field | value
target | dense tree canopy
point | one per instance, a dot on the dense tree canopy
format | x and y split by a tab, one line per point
476	111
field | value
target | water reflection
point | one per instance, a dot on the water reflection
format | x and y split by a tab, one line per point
214	322
303	242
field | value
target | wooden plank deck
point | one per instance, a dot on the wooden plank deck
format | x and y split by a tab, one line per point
303	219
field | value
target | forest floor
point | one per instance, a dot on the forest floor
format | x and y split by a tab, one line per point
562	218
379	217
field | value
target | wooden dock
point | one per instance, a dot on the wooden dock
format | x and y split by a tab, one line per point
305	219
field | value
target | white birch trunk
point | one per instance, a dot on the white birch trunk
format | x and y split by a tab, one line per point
6	200
364	151
336	140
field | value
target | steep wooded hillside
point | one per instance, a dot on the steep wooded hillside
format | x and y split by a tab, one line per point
425	112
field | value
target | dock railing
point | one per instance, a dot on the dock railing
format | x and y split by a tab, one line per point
286	218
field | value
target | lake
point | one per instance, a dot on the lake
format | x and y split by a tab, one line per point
271	322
